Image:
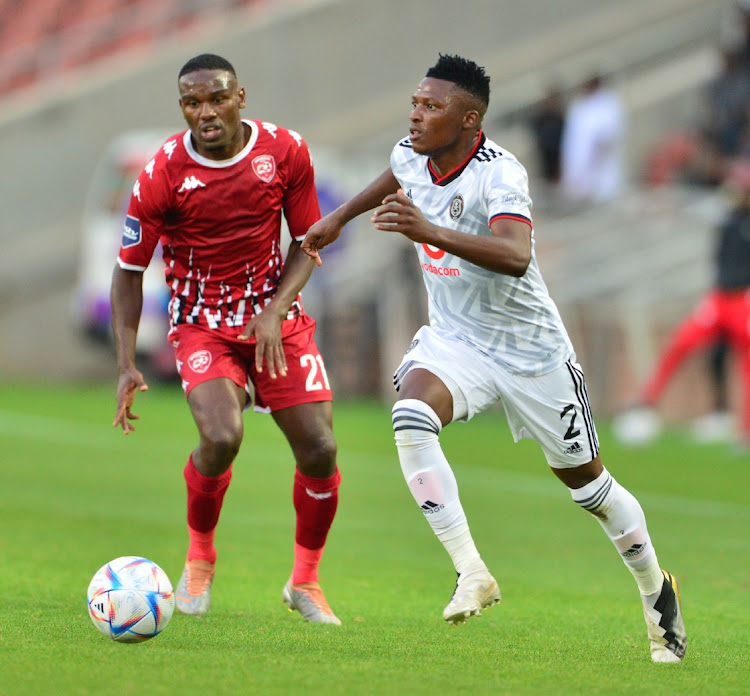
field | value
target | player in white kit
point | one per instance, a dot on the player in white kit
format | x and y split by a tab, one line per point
494	336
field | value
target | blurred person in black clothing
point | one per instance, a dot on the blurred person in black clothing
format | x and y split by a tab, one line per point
546	124
728	98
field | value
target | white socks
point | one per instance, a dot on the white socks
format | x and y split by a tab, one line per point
431	480
622	518
433	485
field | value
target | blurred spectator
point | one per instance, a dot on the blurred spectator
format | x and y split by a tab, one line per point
698	155
679	156
546	124
722	314
592	145
718	424
726	104
743	7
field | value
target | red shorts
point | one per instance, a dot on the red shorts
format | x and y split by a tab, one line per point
203	354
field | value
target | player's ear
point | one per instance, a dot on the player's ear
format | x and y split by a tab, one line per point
241	95
471	119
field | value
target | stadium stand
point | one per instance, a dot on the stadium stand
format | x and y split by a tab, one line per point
47	38
661	54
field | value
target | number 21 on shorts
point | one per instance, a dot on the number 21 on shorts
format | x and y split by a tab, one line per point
317	378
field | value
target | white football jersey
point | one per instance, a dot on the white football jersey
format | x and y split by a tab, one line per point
512	320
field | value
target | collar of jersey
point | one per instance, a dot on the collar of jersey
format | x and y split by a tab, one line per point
218	164
452	176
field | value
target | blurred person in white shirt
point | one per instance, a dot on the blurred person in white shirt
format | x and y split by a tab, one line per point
592	145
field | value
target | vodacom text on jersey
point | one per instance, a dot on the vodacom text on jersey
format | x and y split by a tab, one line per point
435	253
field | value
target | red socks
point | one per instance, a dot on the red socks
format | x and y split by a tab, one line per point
205	495
315	500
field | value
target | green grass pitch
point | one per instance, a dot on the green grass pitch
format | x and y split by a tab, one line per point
75	493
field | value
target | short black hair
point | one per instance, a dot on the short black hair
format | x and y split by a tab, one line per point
207	61
463	72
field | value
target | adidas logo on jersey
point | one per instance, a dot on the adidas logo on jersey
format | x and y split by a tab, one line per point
190	184
575	448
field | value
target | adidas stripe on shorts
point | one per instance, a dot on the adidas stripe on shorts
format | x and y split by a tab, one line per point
552	409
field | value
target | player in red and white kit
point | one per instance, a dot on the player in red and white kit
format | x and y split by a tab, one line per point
214	196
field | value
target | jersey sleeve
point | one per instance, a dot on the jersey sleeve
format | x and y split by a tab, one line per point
400	152
144	219
507	192
301	206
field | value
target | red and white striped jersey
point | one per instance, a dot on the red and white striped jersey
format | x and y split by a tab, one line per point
219	223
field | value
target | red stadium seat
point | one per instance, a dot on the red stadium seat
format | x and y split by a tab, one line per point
44	38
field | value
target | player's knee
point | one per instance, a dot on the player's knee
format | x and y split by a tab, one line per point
318	456
220	443
580	476
323	450
415	424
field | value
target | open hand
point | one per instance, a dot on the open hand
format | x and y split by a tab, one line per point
266	328
321	234
131	382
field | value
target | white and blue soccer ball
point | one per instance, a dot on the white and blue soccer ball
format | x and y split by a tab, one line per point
130	599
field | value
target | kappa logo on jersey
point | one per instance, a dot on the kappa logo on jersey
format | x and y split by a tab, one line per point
169	148
199	361
190	184
131	232
264	167
271	128
433	252
457	207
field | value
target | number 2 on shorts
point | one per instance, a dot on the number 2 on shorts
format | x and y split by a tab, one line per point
570	433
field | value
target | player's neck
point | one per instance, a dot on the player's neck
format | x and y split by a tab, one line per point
443	163
233	149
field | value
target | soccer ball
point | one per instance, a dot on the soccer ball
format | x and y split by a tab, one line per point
130	599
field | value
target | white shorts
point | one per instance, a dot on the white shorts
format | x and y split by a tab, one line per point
552	409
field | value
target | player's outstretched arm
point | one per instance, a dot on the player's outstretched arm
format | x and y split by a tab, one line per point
328	229
126	296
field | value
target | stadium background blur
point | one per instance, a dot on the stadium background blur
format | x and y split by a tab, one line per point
79	73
